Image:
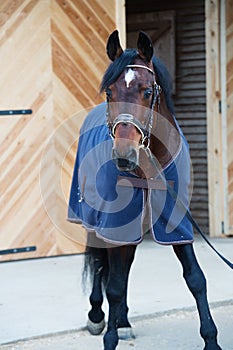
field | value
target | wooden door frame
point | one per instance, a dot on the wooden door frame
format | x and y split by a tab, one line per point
121	21
216	117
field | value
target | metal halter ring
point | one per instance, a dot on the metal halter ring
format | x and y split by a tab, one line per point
145	143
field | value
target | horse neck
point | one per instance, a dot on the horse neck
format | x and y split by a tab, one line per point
165	140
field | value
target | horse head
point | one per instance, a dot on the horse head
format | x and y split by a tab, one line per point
132	98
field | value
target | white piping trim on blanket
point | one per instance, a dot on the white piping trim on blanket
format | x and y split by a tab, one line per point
103	238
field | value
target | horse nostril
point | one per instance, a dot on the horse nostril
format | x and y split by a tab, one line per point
115	154
127	162
132	154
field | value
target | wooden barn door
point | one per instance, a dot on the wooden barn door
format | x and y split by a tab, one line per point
26	82
52	57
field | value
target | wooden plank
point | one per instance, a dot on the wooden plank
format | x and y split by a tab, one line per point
186	108
197	55
229	110
139	7
190	42
213	117
192	118
198	47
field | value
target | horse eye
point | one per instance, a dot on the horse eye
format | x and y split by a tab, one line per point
147	93
108	92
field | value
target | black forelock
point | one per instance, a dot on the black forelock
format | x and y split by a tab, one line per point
117	67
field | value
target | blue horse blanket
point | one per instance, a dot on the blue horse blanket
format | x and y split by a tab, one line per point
106	201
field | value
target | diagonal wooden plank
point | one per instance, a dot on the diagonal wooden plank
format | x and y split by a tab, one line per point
91	38
76	56
74	78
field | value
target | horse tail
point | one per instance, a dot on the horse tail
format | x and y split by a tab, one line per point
95	262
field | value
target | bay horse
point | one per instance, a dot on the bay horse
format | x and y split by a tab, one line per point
118	193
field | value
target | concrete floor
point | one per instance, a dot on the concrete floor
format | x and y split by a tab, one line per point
44	296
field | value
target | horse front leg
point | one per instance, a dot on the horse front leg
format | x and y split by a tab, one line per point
98	266
120	260
196	283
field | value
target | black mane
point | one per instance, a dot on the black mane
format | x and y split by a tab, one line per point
128	57
164	80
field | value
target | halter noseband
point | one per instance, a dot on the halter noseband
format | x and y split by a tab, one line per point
145	130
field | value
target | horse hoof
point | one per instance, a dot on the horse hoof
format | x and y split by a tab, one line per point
95	328
126	333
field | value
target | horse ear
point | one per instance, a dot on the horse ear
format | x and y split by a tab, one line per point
113	47
145	47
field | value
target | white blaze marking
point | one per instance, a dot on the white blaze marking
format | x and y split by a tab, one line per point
129	76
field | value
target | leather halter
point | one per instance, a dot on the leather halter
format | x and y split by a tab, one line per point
145	130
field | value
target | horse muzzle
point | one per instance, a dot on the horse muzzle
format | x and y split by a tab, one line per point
126	162
127	134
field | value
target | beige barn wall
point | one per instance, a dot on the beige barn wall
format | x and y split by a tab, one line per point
52	57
